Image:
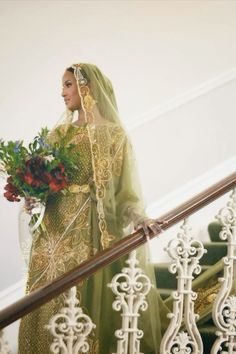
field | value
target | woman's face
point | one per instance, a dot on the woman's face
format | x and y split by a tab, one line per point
70	91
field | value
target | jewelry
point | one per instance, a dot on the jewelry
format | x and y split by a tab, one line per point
79	76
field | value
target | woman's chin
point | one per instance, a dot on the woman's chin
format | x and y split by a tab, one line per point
70	108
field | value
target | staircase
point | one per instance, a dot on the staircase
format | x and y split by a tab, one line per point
206	284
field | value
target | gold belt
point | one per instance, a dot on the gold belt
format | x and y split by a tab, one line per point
76	188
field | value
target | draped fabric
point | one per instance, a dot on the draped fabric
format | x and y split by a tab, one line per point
103	200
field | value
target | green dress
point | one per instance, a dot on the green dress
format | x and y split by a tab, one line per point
71	236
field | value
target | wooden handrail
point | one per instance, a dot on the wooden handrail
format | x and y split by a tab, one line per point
42	295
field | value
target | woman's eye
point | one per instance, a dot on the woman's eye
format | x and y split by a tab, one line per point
68	85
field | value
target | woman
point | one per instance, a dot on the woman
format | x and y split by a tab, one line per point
103	201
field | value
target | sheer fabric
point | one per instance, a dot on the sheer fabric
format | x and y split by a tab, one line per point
104	200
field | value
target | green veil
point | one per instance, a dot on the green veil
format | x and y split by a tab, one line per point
111	151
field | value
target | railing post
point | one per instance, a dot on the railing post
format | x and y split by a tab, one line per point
182	335
224	308
130	287
70	327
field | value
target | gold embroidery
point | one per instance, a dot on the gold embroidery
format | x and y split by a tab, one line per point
93	346
206	296
57	259
117	150
102	171
68	240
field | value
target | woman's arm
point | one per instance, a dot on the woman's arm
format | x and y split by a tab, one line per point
129	202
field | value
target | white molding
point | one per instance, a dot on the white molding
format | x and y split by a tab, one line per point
190	189
184	98
12	293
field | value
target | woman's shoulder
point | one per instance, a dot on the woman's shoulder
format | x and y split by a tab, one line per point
109	126
112	130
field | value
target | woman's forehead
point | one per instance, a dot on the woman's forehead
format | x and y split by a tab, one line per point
68	76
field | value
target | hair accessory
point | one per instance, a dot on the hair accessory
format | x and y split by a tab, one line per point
79	76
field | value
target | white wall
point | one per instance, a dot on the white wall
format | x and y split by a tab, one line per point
186	142
151	50
155	52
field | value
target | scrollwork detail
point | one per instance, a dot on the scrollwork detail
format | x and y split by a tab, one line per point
70	327
130	287
185	252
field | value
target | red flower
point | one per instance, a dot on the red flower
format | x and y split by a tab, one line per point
56	185
28	178
36	182
11	197
10	188
46	177
12	192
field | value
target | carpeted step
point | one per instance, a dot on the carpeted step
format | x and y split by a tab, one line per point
164	278
165	292
214	229
208	337
215	251
167	280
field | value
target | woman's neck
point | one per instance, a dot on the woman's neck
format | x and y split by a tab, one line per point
98	119
81	118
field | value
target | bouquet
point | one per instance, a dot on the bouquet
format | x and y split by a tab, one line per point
36	171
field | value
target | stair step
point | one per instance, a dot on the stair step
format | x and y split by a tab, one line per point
164	278
214	229
165	293
208	337
167	280
215	251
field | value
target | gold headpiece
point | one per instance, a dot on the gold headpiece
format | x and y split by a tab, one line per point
79	76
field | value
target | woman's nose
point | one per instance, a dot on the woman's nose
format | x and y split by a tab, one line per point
63	94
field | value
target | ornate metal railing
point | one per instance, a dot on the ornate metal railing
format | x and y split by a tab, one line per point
126	245
131	287
224	308
185	252
183	296
70	327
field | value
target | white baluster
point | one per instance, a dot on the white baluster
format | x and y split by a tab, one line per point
4	347
224	308
185	253
130	287
70	328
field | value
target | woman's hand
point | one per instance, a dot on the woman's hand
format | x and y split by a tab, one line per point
149	225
